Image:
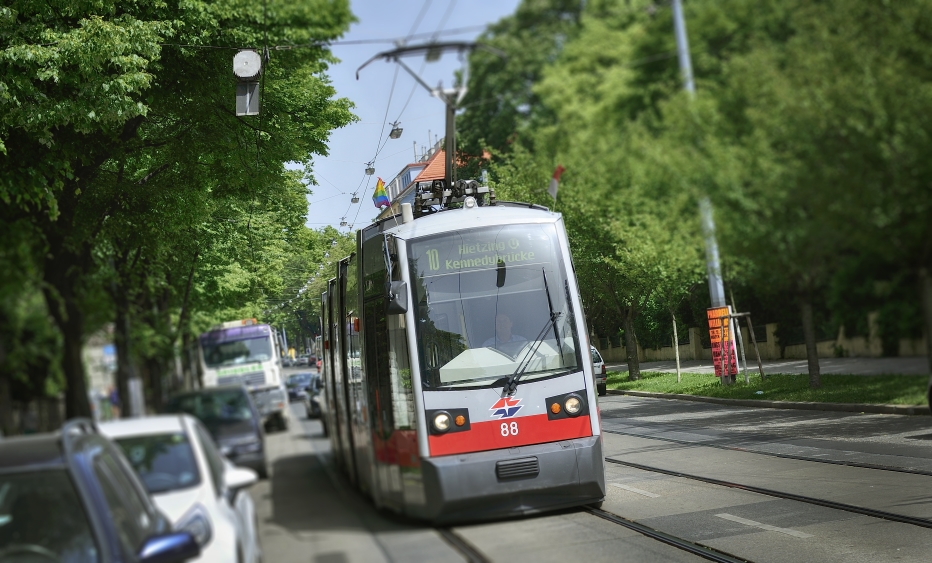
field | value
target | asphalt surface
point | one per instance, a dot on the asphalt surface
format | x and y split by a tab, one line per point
307	512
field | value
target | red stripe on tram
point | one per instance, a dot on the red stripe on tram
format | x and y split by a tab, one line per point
509	433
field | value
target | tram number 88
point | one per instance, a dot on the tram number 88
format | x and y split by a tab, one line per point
509	429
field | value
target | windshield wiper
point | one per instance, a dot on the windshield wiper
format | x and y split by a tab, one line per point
512	384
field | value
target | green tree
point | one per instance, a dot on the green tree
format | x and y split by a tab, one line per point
102	101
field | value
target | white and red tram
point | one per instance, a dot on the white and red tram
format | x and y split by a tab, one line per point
458	378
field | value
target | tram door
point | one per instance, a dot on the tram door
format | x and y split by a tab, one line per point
358	405
342	361
389	386
326	372
335	382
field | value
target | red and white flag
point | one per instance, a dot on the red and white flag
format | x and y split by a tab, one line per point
555	182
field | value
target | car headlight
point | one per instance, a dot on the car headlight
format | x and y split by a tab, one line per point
197	523
572	405
442	422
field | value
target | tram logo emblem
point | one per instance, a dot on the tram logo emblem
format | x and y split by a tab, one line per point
506	407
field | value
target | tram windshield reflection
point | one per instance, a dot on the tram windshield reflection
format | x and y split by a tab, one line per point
482	301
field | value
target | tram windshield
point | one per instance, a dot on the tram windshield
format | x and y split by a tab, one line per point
492	302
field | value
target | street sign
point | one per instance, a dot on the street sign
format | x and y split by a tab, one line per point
722	339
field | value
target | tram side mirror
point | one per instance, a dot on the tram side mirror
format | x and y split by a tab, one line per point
397	296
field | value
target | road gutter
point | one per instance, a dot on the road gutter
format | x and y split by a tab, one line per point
796	405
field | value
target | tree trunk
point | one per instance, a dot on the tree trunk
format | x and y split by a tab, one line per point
6	401
156	368
812	354
631	346
925	281
60	276
189	363
121	341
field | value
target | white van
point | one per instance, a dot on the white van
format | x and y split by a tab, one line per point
598	370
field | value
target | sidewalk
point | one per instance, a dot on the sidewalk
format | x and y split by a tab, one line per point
913	365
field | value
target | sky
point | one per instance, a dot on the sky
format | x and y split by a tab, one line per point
342	172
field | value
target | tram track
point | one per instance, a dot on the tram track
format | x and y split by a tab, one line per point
880	514
845	463
463	546
663	537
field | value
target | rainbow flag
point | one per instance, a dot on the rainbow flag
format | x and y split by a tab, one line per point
380	198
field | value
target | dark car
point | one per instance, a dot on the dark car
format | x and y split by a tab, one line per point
233	421
312	395
73	497
297	386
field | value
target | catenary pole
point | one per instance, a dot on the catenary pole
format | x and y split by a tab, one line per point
713	267
712	263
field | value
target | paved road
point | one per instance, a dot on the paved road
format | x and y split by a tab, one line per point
691	438
307	513
917	365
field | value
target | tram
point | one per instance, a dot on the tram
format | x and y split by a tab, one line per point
456	365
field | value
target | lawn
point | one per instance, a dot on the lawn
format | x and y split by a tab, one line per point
874	389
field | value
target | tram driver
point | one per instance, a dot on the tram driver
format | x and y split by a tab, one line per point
504	339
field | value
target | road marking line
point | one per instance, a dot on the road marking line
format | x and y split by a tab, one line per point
634	490
768	527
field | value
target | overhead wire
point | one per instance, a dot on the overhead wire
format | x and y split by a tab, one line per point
389	40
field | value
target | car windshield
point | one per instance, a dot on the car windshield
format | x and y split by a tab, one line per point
164	462
41	509
491	302
224	406
238	352
299	379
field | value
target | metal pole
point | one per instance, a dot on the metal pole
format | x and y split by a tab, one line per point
682	47
450	132
760	365
716	288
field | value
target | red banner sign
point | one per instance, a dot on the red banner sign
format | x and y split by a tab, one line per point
722	339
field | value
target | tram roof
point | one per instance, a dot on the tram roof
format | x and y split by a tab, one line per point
502	213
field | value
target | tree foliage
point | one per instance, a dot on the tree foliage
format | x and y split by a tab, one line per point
141	193
809	131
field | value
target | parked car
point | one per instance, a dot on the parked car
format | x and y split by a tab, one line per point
312	396
230	416
297	386
287	361
598	370
190	481
72	496
302	360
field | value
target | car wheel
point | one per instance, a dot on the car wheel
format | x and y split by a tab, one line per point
602	390
263	472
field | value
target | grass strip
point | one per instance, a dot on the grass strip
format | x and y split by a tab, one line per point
836	388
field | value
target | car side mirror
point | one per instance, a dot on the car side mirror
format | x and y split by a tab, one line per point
397	297
237	478
169	548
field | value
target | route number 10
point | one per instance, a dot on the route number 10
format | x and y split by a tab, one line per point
509	429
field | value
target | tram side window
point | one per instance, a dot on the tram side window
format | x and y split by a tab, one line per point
354	359
399	363
375	329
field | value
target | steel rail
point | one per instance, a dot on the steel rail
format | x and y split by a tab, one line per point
463	546
774	454
881	514
663	537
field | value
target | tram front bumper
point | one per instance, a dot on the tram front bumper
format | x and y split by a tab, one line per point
498	483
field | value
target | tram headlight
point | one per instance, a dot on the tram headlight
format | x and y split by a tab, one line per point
572	405
442	422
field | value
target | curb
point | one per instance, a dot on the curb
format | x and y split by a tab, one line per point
797	405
